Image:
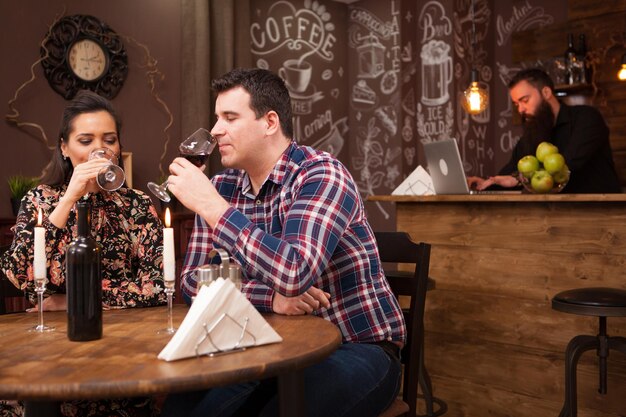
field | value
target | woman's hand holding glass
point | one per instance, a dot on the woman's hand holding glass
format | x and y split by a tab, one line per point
85	175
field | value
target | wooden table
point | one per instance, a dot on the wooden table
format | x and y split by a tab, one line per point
494	346
40	368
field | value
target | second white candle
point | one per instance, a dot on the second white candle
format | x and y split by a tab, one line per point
39	261
169	261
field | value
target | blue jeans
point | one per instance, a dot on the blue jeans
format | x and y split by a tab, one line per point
357	380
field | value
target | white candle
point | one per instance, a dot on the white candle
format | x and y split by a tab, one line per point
39	263
169	263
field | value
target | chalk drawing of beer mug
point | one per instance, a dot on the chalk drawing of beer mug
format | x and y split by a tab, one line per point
436	72
296	74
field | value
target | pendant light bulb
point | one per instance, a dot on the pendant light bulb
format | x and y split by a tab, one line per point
476	97
621	74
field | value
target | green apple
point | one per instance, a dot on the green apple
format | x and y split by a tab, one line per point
553	163
544	149
562	176
542	182
527	165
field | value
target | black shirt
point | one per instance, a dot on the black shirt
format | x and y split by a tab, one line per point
582	137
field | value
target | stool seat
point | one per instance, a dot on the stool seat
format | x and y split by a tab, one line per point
595	301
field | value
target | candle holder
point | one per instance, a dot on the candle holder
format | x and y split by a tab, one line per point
40	288
169	292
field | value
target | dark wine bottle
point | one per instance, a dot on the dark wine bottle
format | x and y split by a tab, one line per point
581	55
83	282
570	59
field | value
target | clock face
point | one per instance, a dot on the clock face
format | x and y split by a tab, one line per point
81	52
87	59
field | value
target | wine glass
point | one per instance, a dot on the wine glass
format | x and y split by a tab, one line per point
40	288
110	177
196	149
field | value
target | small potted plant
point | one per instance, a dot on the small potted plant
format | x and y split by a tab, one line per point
19	185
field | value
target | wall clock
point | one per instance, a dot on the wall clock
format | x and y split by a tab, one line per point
83	52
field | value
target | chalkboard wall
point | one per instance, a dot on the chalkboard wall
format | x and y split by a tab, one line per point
371	81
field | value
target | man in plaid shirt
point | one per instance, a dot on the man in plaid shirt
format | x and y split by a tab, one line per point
293	219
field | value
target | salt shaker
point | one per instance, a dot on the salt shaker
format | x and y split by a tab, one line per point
206	274
234	274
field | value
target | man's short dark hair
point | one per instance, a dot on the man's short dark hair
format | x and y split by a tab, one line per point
267	92
537	77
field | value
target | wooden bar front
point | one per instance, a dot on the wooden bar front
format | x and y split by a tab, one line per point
494	346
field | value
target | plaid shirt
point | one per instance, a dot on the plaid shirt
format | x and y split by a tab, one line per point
306	227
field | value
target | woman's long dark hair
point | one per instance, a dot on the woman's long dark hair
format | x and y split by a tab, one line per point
59	169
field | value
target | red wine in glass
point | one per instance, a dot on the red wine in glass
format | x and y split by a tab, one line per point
196	149
197	159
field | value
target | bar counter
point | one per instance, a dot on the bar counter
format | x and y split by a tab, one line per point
494	346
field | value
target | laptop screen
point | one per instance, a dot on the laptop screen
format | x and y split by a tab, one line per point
445	167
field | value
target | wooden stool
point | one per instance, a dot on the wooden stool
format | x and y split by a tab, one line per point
599	302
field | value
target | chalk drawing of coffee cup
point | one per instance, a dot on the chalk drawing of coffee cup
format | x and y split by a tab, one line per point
297	75
436	72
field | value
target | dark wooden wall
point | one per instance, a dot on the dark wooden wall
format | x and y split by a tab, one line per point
604	24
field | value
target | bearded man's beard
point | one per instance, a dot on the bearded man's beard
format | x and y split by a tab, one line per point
537	128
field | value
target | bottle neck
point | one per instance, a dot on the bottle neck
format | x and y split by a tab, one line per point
84	218
582	45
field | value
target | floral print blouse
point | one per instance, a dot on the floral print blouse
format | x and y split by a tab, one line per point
123	222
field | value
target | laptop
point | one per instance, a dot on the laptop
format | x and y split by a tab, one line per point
446	169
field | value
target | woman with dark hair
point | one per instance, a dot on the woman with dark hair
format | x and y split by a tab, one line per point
124	222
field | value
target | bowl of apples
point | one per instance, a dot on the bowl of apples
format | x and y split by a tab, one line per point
545	172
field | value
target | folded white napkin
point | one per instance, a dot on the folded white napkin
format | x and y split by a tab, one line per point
417	183
223	309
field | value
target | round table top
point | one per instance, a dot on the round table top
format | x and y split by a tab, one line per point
47	366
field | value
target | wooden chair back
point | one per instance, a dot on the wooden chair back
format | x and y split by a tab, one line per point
397	247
